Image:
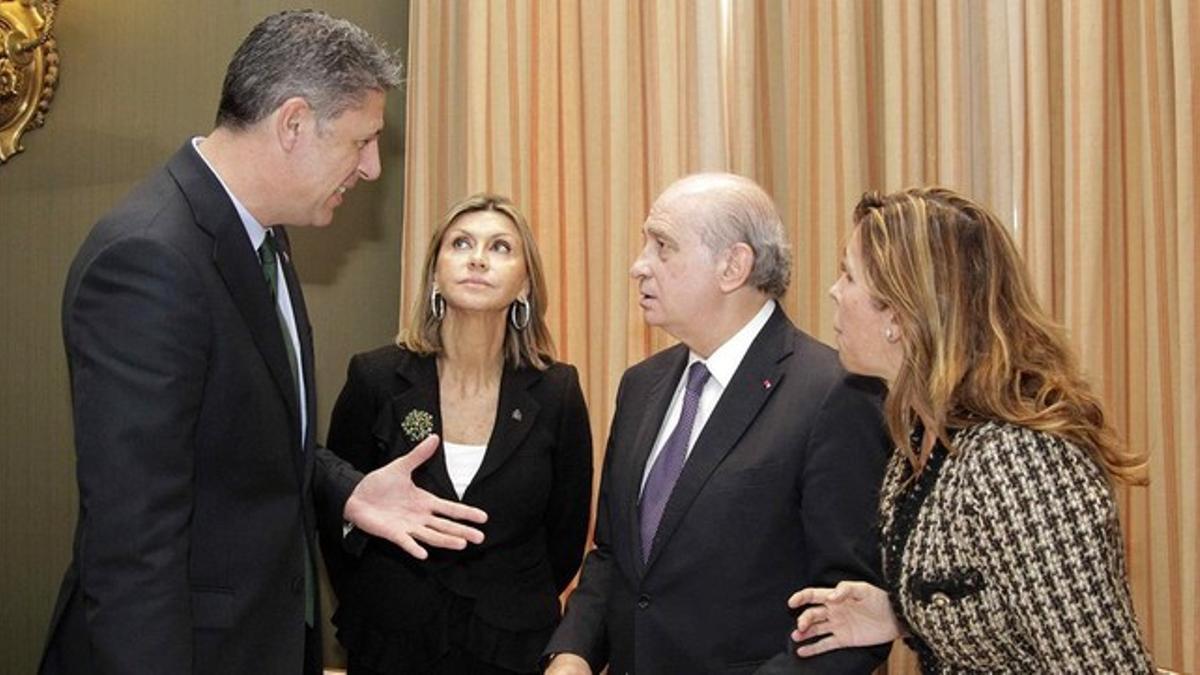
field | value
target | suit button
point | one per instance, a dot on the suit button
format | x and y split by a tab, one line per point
297	584
643	602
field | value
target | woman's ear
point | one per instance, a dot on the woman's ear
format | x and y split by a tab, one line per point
892	330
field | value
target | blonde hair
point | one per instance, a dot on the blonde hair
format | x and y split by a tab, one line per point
532	346
977	344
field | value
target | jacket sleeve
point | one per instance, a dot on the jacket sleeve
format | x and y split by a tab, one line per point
351	446
137	332
1050	538
846	455
570	502
583	630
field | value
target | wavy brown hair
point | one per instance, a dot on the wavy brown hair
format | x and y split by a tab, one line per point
978	346
532	346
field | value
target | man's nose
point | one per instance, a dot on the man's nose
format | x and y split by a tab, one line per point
638	268
369	167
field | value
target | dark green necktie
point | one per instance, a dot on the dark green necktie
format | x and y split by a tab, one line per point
268	257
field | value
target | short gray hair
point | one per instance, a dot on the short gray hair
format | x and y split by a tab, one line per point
331	63
735	209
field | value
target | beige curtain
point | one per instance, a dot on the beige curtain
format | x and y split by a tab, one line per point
1076	121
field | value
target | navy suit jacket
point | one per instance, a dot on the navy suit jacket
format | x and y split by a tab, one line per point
196	509
779	492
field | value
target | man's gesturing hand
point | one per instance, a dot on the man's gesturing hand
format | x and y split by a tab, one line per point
387	504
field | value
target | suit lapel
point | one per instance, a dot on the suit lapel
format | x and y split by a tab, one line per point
421	396
515	416
658	400
237	264
755	379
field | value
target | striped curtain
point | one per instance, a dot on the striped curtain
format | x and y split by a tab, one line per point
1076	121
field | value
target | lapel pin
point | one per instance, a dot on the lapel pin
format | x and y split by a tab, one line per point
766	384
517	414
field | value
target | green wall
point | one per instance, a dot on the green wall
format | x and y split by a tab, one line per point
137	78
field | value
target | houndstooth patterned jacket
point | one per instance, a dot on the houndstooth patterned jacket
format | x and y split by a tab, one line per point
1006	557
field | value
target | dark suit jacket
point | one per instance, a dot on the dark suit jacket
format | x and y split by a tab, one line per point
196	490
780	492
535	484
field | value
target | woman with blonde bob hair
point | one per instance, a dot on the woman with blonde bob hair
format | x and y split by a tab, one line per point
476	368
1001	544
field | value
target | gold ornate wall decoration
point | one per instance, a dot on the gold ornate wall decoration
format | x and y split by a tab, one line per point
28	69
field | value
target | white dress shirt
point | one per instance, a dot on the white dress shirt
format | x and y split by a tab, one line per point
722	364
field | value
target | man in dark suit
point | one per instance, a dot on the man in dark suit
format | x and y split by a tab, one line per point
740	463
191	365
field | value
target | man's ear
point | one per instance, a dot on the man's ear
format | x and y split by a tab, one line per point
292	120
735	267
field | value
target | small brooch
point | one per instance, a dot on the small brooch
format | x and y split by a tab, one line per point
417	425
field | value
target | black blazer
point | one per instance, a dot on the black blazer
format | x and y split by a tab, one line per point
534	483
196	490
779	492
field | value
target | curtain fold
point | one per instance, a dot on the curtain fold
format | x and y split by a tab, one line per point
1075	120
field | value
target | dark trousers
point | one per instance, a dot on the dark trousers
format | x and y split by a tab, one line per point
314	656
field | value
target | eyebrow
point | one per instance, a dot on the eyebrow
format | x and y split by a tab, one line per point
656	231
459	229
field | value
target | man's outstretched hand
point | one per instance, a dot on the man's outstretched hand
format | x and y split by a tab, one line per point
387	504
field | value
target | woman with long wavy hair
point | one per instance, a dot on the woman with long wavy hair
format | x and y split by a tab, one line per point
1001	545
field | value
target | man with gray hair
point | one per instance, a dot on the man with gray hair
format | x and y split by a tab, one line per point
191	368
739	462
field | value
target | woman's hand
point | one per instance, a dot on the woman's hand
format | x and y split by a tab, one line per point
855	614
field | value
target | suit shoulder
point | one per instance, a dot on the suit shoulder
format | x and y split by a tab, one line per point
820	361
560	373
815	355
154	213
378	363
154	208
655	363
146	238
1019	453
818	364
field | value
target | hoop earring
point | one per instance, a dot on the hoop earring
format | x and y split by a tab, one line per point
519	314
437	304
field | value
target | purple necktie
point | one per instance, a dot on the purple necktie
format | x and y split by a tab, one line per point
669	463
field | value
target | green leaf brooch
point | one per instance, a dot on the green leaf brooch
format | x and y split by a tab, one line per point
417	425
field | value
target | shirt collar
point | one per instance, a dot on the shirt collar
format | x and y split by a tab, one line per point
254	229
725	360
